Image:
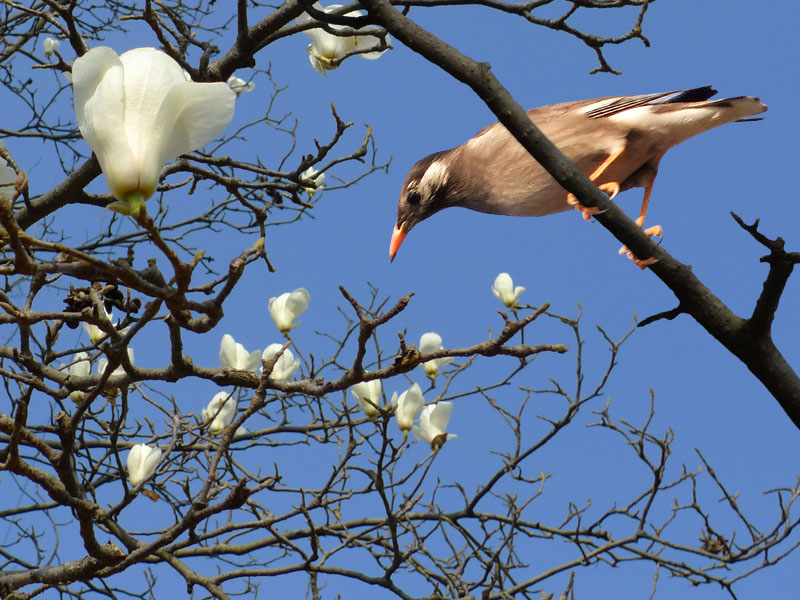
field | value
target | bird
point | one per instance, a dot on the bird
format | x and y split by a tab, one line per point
617	142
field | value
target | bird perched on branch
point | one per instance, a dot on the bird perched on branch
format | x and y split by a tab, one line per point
616	142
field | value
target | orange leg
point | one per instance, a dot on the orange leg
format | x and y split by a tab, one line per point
655	231
611	188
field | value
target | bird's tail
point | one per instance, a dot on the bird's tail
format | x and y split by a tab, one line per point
739	108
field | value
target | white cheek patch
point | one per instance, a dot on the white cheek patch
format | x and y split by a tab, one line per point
435	177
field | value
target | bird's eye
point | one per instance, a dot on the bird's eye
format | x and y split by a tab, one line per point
413	197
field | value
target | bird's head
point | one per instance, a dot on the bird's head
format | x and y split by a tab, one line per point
424	192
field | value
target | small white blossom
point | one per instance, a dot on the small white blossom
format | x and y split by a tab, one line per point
285	366
49	46
368	396
142	462
103	363
428	343
79	367
319	181
505	291
98	335
220	412
433	424
8	178
240	85
407	407
326	49
234	356
287	307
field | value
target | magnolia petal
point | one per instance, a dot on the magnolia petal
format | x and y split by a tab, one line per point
329	46
8	178
285	366
409	406
440	416
192	115
315	63
368	396
227	351
220	412
430	342
326	49
142	462
432	424
97	82
81	366
503	288
298	301
285	309
307	18
49	46
150	76
371	41
252	361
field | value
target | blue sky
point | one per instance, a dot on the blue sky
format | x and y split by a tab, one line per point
711	401
704	394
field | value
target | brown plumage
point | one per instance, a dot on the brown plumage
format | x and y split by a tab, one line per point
617	142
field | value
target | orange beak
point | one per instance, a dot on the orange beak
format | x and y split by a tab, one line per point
398	235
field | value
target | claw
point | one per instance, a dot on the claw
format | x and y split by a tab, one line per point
654	231
588	211
611	188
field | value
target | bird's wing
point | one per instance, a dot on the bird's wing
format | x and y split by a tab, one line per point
597	108
606	107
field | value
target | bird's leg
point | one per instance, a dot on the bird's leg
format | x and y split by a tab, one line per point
611	188
655	231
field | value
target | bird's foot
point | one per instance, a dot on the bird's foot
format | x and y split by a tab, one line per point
654	231
588	211
611	188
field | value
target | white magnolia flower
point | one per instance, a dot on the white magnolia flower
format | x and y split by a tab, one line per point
239	86
504	289
319	181
407	407
49	46
368	396
285	366
326	47
433	424
95	333
220	412
137	111
103	363
428	343
142	462
79	367
8	177
287	307
234	356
